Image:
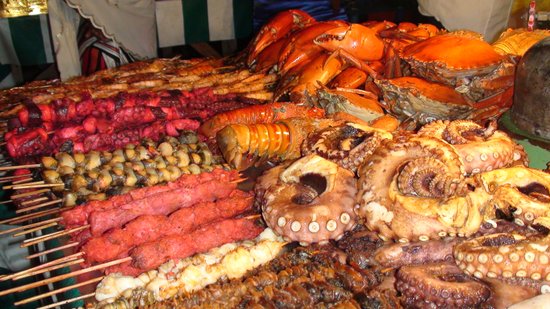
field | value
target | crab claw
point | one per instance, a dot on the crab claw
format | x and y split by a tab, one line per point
276	28
357	40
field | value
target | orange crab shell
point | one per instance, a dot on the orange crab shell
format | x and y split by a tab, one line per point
416	97
359	41
451	55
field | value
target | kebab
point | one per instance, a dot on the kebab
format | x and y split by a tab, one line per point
156	200
232	260
118	242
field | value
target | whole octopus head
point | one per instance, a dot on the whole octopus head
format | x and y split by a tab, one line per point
311	200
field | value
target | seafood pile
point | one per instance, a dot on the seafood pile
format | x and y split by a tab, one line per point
379	179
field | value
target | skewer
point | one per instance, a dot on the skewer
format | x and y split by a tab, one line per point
5	202
16	167
64	276
31	216
34	241
36	200
35	229
67	288
46	269
32	186
14	177
16	196
50	263
22	182
67	301
69	245
38	206
23	227
239	180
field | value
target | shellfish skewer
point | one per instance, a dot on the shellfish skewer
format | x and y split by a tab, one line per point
38	185
16	167
67	288
36	200
10	178
33	241
67	301
64	276
47	264
16	196
31	225
69	245
38	206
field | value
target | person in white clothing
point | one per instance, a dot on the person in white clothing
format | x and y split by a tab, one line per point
488	17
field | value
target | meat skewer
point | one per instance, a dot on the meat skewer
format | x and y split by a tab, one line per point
144	229
151	255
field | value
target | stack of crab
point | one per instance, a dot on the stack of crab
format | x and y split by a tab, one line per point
419	72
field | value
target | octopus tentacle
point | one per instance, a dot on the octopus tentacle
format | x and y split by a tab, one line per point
519	192
439	286
348	145
505	256
310	201
481	149
427	177
377	204
417	253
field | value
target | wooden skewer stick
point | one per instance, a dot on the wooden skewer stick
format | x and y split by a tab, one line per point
15	182
16	196
46	269
239	180
22	182
23	227
36	186
16	167
34	241
33	215
36	200
38	206
67	288
10	178
6	202
64	276
38	228
50	263
69	245
67	301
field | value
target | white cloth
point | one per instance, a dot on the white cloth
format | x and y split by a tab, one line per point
488	17
130	23
64	23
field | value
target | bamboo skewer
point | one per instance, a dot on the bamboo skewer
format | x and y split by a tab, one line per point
64	276
36	200
22	182
16	167
11	178
69	245
53	202
16	196
19	182
67	301
5	202
23	227
47	269
38	185
67	288
34	241
54	262
38	228
31	216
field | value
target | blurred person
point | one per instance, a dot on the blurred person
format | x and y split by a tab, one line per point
487	17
